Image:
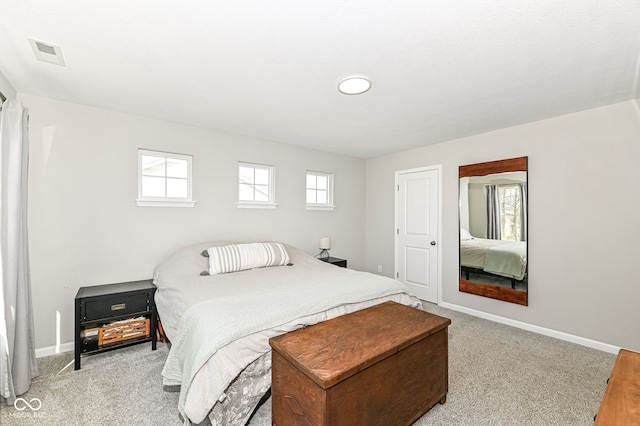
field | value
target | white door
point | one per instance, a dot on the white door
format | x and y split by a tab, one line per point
417	231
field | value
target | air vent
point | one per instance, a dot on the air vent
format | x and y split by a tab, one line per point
47	52
45	48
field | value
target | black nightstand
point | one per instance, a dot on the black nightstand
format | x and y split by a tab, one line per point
335	261
97	308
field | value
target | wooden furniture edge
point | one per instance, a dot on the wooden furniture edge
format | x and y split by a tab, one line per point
494	291
622	387
518	164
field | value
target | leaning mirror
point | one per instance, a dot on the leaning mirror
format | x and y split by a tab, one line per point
493	229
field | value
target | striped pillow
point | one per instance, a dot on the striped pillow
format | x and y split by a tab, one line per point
238	257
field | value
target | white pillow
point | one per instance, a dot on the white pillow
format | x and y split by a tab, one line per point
186	261
465	235
239	257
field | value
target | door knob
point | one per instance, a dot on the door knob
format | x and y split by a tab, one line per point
433	243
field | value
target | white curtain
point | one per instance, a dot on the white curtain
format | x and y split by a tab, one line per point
17	341
524	234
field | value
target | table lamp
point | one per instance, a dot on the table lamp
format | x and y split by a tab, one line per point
325	246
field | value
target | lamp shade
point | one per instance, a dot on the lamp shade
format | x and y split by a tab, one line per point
325	243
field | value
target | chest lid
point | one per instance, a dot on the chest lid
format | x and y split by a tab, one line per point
331	351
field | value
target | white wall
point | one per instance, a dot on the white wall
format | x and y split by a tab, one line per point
85	228
584	199
6	88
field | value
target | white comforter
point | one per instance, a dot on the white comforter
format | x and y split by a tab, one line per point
184	296
504	258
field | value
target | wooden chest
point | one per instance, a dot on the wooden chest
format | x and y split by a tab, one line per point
385	365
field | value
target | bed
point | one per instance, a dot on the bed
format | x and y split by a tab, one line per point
496	257
219	324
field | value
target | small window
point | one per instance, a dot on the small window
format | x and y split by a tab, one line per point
256	188
164	179
319	190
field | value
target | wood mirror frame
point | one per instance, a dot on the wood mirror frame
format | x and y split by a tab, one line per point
493	291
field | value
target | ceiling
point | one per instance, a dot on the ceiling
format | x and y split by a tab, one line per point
440	69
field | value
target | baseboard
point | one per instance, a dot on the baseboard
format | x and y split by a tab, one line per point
52	350
65	347
534	328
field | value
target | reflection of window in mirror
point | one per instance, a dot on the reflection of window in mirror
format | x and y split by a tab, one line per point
494	206
510	208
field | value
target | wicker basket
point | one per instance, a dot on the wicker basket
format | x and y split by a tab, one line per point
123	330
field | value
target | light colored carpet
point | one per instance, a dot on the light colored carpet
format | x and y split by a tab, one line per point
498	375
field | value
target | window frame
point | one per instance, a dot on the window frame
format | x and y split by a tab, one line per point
271	187
187	201
319	206
515	205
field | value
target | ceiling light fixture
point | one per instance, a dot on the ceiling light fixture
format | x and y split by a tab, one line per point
354	85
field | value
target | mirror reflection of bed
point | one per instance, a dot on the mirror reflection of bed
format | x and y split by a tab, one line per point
493	229
490	261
